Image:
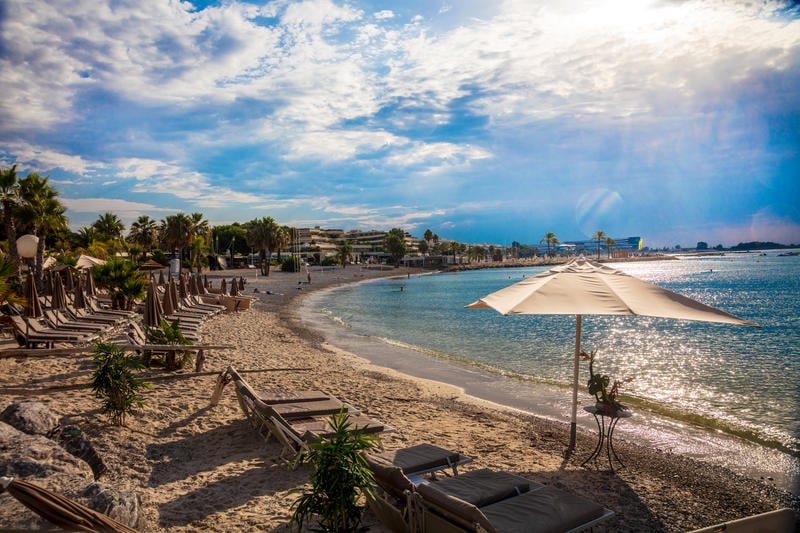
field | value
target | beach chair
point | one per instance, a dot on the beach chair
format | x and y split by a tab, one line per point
779	521
31	333
58	320
393	473
297	431
460	504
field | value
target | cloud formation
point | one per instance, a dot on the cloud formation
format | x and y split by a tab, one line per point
232	107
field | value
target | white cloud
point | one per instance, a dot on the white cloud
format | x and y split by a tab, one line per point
384	14
37	158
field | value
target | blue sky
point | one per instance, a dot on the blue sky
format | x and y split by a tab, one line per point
483	121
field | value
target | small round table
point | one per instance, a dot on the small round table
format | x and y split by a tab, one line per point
605	434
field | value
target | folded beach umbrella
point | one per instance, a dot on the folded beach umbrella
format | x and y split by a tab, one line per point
69	283
161	277
33	307
241	283
182	289
59	299
78	299
59	510
234	288
166	301
582	287
91	290
223	286
173	295
152	308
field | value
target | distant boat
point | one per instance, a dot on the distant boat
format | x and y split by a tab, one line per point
788	254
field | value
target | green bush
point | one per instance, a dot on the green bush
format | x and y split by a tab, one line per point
114	383
290	264
169	334
340	481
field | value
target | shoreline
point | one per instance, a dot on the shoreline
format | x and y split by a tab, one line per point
198	467
547	401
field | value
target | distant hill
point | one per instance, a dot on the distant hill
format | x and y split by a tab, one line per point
743	246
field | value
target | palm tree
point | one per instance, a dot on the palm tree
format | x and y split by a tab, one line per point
264	235
122	281
177	232
428	237
9	195
42	208
609	245
144	232
344	253
109	226
599	236
202	236
551	240
395	244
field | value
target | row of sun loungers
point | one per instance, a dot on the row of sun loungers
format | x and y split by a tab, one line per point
409	499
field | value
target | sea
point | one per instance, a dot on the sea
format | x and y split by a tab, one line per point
723	381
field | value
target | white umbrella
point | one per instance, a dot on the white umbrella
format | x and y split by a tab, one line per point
582	287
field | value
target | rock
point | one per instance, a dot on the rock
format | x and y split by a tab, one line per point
75	442
31	417
24	456
123	506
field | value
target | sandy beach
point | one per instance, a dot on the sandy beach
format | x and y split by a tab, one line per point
198	467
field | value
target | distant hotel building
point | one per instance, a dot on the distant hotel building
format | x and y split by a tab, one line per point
623	247
325	242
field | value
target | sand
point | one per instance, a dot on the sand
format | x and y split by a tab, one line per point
201	468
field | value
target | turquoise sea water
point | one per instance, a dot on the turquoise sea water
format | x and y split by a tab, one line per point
740	379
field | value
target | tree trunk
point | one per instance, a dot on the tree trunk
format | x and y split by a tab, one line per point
11	231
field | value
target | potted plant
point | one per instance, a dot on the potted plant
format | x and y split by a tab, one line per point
340	480
604	391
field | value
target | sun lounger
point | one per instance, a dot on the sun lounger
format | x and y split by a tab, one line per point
294	432
480	500
32	333
60	321
425	458
508	508
779	521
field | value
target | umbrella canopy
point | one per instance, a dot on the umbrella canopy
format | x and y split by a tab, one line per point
582	287
151	264
33	307
59	510
87	261
152	308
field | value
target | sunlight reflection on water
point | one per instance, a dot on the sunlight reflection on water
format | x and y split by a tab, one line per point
746	377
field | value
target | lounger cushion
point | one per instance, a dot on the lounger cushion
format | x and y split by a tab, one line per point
485	487
274	396
293	410
388	476
544	510
422	458
464	512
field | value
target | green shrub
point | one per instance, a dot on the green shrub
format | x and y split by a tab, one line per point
114	383
290	264
340	481
170	334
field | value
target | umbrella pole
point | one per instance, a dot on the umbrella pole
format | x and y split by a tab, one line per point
575	378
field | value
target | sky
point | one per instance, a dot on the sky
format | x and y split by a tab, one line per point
487	122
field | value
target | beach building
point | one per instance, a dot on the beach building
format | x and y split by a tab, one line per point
320	243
